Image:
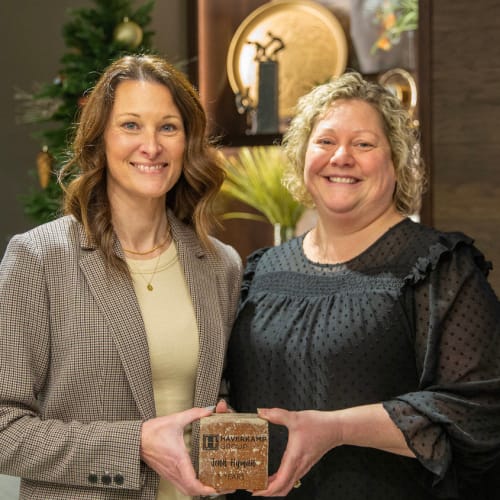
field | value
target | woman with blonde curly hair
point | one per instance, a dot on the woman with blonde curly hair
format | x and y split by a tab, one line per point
114	318
397	125
372	342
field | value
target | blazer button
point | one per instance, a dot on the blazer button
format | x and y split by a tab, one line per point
92	478
106	479
118	479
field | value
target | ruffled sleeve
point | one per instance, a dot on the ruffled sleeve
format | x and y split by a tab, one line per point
250	267
452	423
446	244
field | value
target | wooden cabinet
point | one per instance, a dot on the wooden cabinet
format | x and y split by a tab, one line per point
212	26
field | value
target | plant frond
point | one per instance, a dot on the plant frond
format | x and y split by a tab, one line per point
254	177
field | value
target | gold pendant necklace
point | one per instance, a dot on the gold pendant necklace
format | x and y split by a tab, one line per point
149	284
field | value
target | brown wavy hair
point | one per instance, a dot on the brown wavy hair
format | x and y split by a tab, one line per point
398	127
191	199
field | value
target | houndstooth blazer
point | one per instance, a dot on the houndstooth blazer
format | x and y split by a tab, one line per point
75	376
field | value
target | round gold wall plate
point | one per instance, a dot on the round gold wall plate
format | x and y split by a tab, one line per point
402	84
315	50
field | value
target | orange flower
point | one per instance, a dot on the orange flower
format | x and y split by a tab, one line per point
389	20
383	43
394	17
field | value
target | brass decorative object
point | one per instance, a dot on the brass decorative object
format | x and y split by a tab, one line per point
402	84
264	117
316	50
128	33
44	165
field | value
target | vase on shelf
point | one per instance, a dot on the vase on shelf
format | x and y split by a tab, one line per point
282	233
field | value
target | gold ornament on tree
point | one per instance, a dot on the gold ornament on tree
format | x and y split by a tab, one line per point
128	33
82	101
44	167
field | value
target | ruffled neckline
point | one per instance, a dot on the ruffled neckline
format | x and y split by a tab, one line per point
430	247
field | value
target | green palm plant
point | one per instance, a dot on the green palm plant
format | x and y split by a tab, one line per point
254	177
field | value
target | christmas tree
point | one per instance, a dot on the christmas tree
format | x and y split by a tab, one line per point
94	37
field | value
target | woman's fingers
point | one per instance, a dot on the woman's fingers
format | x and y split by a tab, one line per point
164	450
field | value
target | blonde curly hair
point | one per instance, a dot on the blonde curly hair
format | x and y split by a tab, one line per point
398	126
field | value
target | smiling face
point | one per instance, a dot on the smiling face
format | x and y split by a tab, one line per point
348	167
144	143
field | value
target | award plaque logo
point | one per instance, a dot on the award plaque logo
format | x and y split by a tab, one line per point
210	441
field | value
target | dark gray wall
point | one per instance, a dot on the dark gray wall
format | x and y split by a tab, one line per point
32	46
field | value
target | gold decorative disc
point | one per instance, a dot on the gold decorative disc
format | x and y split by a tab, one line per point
315	49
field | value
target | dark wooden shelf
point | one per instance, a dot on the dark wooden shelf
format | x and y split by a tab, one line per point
250	140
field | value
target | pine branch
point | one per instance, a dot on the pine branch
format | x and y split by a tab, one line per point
90	48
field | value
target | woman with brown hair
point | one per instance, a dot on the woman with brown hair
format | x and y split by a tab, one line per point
114	318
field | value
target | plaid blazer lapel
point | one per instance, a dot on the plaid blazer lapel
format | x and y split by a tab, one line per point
115	296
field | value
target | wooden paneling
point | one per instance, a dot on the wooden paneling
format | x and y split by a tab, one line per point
245	236
423	78
216	23
463	118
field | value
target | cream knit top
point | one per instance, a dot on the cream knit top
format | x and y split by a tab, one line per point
172	332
